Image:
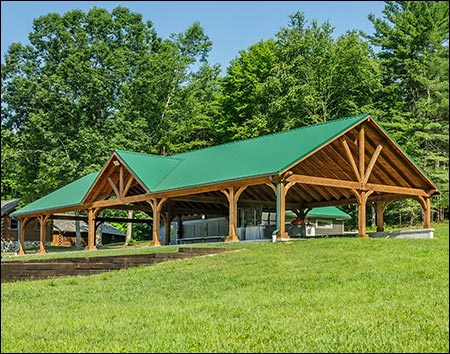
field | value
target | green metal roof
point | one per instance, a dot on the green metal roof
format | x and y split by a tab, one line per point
323	212
149	169
261	156
69	195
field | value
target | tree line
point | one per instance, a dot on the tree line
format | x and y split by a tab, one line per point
91	82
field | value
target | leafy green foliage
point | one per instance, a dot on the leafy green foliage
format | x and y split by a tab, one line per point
93	82
413	38
303	77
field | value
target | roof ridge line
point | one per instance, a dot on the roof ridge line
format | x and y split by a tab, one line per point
365	115
147	154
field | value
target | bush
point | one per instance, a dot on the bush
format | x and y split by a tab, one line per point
132	242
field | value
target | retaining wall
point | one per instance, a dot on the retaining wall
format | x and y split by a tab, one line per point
62	267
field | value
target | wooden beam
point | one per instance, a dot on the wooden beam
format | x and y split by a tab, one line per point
380	215
322	181
200	199
396	190
272	187
351	159
101	219
167	219
335	183
128	185
120	181
362	197
114	187
179	192
362	151
99	183
230	193
372	163
347	201
139	207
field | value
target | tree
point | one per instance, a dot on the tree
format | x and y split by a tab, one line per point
173	95
244	106
92	82
413	41
303	77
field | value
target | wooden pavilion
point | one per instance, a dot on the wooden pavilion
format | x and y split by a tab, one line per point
346	161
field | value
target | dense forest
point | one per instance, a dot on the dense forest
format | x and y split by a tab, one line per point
91	82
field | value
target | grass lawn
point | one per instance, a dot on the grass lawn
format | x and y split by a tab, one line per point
319	295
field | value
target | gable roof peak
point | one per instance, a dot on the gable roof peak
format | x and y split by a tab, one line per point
122	152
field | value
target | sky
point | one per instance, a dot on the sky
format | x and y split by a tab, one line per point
232	26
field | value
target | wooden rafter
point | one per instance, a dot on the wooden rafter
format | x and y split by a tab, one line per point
351	159
362	151
372	162
114	187
128	185
115	177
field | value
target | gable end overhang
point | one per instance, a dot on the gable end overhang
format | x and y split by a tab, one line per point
335	137
431	187
87	200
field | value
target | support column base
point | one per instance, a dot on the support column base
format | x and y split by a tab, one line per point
362	236
90	248
155	243
232	239
283	236
21	252
41	251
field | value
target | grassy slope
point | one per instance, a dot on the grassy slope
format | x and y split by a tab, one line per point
324	295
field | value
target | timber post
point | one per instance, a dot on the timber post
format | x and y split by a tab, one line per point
380	216
281	211
92	213
232	195
427	214
425	202
362	197
380	209
281	189
23	223
43	219
156	204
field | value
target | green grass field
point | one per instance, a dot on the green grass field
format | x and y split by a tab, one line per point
319	295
